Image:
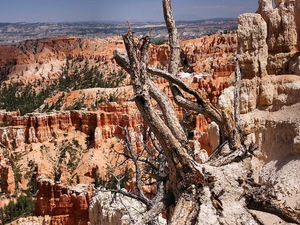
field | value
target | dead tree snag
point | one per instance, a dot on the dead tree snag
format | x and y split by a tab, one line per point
190	183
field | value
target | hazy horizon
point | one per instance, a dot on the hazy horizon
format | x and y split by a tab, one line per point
119	21
60	11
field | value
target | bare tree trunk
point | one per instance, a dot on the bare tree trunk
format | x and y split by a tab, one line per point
237	90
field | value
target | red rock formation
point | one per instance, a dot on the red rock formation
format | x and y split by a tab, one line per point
33	128
7	184
65	205
159	55
42	59
5	117
210	54
99	125
37	127
212	87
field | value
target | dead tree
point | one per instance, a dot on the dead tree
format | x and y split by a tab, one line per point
148	162
186	179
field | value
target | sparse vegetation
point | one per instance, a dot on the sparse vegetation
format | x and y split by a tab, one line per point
21	208
69	152
74	77
159	41
14	158
31	175
18	96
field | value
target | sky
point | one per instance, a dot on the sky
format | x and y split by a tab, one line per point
118	10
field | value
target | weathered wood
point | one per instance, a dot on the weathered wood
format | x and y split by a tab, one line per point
180	162
173	37
138	171
156	209
258	200
168	112
187	208
237	91
223	119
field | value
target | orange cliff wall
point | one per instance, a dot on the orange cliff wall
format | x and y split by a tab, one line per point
40	127
100	125
103	124
64	204
27	60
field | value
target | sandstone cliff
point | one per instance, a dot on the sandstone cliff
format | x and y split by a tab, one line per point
269	103
269	40
38	127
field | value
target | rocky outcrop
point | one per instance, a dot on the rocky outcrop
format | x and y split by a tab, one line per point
270	120
253	49
270	104
268	44
7	184
33	220
99	125
115	210
210	54
212	87
273	39
39	136
277	136
269	93
281	22
65	205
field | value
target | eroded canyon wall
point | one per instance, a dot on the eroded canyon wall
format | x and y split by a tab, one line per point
43	59
66	205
